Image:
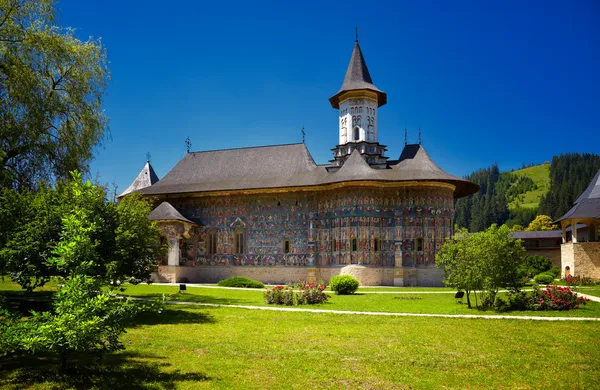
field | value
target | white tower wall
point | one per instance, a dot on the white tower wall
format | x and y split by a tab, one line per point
361	113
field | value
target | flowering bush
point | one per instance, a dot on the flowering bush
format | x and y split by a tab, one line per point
551	298
309	294
578	280
556	298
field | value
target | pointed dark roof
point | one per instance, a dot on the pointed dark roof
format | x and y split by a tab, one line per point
166	212
144	179
588	204
292	166
358	78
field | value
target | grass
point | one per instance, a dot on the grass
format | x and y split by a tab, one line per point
225	348
188	347
540	174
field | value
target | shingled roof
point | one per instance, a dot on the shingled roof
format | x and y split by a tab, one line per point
292	166
166	212
144	179
588	204
358	78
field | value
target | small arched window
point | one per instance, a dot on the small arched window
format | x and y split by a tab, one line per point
334	245
239	241
419	244
354	244
356	133
376	244
286	246
212	242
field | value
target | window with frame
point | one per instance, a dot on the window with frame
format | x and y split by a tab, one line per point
354	244
286	246
376	244
419	245
356	133
239	242
212	242
334	245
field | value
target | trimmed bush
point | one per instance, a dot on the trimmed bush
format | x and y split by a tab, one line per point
241	281
544	278
344	284
554	271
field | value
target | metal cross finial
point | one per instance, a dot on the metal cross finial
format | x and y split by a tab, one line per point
148	157
303	134
357	33
405	136
188	144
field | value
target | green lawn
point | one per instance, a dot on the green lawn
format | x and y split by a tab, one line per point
540	174
189	347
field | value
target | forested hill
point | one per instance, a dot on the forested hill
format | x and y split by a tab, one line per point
570	174
515	198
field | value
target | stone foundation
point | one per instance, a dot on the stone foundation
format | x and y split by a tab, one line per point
582	258
367	275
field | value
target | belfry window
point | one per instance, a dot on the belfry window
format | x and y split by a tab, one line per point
286	246
354	244
212	242
419	245
356	133
239	241
376	244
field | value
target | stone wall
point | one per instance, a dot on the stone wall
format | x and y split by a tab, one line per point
582	258
367	275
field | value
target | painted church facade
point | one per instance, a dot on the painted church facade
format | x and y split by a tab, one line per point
271	213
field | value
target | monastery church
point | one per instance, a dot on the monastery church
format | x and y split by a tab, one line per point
272	214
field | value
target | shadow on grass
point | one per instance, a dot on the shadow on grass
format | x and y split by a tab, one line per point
185	297
126	370
172	316
24	302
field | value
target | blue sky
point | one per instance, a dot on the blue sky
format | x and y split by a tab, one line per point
506	82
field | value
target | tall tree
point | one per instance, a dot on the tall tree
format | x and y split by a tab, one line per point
51	87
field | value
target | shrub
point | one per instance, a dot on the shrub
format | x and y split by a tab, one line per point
344	284
578	280
544	278
241	281
555	271
556	298
536	264
285	295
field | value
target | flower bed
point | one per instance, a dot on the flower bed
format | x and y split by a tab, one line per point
309	294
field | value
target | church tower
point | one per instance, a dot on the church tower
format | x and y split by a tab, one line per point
357	102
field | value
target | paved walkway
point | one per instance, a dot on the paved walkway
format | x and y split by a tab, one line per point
375	313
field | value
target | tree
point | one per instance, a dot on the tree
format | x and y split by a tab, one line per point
541	223
51	87
123	243
482	263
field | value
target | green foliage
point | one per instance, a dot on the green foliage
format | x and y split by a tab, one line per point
310	294
551	298
241	281
536	264
113	242
482	262
544	278
541	223
554	271
52	87
344	284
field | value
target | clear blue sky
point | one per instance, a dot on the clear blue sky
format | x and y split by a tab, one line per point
506	82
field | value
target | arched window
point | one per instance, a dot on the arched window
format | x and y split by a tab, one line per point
354	244
356	133
239	241
376	244
212	242
419	244
286	246
334	245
